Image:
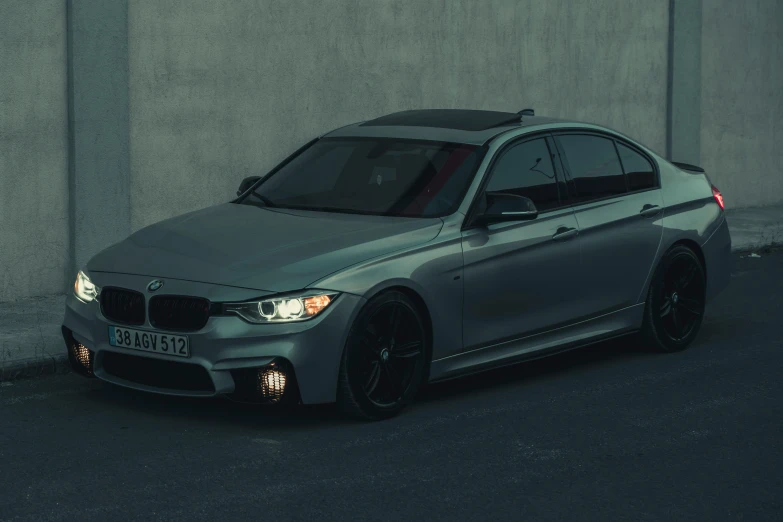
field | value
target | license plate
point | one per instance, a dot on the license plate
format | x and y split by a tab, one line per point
145	341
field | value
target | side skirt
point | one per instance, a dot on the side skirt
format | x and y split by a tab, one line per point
615	324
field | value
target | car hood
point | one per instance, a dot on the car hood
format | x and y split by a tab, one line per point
274	250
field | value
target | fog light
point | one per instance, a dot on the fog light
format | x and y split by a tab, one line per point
82	354
81	358
271	383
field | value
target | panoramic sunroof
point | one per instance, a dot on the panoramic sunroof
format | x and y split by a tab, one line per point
467	120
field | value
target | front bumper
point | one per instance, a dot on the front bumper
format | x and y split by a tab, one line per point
226	344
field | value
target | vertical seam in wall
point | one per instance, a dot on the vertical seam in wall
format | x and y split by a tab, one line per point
71	264
670	83
699	80
128	182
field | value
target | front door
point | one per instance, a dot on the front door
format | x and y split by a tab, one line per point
519	276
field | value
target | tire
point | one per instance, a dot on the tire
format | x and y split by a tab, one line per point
675	302
378	353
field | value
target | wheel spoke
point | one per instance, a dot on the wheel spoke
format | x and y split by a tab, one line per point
369	340
666	307
687	277
677	322
690	310
691	305
391	378
406	350
394	321
373	378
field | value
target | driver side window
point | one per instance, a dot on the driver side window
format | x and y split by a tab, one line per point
526	169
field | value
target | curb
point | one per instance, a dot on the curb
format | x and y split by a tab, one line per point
761	248
34	368
753	229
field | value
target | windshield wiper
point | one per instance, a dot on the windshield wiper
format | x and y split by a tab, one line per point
265	200
336	210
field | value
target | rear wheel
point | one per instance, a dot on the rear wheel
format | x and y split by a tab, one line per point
675	301
385	358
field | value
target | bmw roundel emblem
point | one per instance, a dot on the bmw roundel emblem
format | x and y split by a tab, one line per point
154	285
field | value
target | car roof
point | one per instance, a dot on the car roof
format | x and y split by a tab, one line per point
474	127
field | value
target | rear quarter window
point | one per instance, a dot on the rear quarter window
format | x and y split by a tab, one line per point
593	165
638	169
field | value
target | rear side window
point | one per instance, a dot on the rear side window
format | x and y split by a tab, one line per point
638	170
594	167
526	169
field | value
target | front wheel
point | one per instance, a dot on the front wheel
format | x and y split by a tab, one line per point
385	358
675	302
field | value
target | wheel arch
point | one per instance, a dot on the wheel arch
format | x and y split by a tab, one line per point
421	307
693	245
683	241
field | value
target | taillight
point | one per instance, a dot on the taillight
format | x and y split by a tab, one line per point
718	196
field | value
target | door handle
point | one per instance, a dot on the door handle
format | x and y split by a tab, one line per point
649	210
564	233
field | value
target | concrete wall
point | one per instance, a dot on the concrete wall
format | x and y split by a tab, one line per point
34	229
223	90
172	102
742	99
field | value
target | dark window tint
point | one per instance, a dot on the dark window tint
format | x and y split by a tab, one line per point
639	171
383	176
594	166
526	169
331	162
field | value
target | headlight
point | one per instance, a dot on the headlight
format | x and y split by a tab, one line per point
282	309
84	289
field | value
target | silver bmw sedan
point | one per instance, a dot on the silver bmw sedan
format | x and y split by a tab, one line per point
419	246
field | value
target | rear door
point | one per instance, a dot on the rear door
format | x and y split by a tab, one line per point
617	202
519	276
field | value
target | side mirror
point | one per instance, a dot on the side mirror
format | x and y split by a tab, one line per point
504	206
246	184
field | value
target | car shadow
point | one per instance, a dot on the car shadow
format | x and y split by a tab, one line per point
529	371
211	410
716	330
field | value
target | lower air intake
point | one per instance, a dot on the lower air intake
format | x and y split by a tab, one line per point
157	373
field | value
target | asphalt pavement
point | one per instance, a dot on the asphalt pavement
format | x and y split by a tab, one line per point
607	433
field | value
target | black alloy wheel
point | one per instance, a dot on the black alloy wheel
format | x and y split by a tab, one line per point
676	301
385	360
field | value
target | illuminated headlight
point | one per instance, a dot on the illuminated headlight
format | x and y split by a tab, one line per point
84	289
282	309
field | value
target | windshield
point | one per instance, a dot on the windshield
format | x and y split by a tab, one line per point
382	176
